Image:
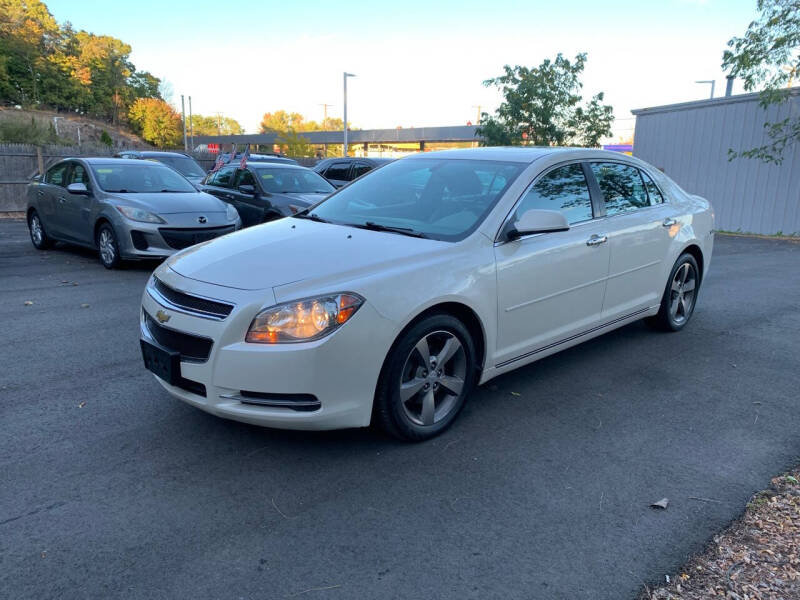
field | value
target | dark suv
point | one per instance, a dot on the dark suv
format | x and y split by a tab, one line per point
182	163
265	191
340	171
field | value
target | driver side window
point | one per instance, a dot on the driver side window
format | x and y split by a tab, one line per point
563	189
57	175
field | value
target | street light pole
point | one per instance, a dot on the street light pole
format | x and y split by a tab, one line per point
711	81
345	76
183	114
191	126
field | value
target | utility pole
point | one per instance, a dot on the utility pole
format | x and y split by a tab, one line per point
711	81
325	113
345	76
478	120
219	123
183	113
191	126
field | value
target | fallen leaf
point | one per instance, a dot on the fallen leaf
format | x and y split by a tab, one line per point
84	305
516	394
44	553
662	504
28	303
82	404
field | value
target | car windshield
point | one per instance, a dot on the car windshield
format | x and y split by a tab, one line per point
291	181
143	177
183	165
444	199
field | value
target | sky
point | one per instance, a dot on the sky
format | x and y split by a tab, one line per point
417	63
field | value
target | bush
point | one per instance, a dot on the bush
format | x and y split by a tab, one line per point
17	131
106	139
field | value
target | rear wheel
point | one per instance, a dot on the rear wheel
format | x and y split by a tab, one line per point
108	247
680	295
426	379
39	237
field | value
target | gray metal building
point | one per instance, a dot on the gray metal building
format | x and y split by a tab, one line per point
690	142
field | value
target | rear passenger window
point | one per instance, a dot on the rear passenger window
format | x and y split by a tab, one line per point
224	177
622	187
360	169
56	175
652	189
563	189
338	171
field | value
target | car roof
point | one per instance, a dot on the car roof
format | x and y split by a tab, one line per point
520	154
276	165
108	160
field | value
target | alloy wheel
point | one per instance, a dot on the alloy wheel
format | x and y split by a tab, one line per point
107	245
433	378
682	293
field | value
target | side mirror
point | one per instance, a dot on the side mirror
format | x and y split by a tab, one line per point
78	188
537	221
247	189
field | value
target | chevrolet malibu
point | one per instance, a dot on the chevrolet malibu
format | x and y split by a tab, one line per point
391	299
126	209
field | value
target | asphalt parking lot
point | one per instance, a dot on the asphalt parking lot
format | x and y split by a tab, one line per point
109	488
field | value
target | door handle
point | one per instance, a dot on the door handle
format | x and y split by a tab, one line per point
669	222
61	200
596	240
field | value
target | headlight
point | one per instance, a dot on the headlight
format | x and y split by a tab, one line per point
137	214
303	320
231	212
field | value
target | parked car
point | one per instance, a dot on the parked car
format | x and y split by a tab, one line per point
126	209
182	163
391	299
266	191
271	158
340	171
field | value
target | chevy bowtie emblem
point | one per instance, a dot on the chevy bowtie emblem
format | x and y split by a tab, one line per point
162	316
201	219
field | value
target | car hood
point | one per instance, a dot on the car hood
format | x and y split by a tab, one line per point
171	203
291	250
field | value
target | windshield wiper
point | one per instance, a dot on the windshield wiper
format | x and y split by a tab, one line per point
304	214
372	226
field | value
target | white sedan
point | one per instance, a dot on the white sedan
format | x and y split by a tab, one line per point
391	299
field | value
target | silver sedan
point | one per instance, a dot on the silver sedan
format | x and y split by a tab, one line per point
126	209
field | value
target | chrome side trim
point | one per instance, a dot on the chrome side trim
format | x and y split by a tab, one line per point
572	337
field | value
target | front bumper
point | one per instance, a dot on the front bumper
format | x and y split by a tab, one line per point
326	384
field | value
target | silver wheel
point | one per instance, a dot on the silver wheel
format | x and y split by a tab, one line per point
433	378
37	233
682	293
107	246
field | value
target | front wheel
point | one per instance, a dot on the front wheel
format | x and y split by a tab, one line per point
107	246
680	295
426	379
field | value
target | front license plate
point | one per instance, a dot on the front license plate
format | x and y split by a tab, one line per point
165	364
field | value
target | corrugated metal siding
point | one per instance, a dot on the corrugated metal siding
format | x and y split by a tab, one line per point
690	143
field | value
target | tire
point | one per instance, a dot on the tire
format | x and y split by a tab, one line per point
39	237
680	296
108	246
418	397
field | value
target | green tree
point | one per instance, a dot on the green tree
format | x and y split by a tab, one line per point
202	125
768	57
542	106
105	138
156	122
294	144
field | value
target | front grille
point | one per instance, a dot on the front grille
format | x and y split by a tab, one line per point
298	402
209	308
191	386
191	347
183	238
